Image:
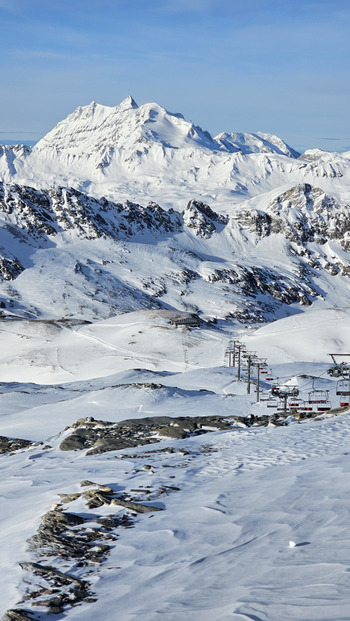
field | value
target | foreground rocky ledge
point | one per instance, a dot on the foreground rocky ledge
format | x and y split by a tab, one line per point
99	436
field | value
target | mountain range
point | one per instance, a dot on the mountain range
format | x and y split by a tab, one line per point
129	207
144	476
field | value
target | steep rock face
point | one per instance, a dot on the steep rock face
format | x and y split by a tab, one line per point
202	219
302	214
47	213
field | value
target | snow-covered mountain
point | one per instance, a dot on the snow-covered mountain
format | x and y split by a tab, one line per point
140	476
264	243
144	153
65	254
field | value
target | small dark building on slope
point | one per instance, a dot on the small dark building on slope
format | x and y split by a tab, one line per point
189	321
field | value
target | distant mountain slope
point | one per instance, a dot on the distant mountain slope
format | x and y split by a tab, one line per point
255	143
145	153
96	127
64	253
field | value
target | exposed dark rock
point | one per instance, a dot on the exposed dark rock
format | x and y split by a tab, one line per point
110	522
102	436
303	215
16	614
202	219
44	213
8	445
57	536
71	589
135	506
10	268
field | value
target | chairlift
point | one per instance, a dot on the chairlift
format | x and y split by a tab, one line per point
272	403
285	391
268	374
344	402
324	407
296	404
345	370
282	407
318	396
343	387
339	369
306	407
335	371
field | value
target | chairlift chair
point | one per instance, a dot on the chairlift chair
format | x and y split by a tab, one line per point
324	407
268	374
345	370
343	387
296	404
318	396
306	407
282	406
344	401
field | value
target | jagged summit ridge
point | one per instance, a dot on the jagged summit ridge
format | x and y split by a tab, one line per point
92	127
95	126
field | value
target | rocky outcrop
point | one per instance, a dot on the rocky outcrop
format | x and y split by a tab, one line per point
81	541
100	436
202	219
9	445
302	214
169	273
45	213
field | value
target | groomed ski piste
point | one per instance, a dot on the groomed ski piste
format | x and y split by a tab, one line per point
248	523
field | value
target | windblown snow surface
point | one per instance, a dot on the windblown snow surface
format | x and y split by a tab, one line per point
244	521
233	499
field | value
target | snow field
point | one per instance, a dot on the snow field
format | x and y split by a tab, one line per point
220	548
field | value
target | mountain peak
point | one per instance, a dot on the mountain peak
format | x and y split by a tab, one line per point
128	104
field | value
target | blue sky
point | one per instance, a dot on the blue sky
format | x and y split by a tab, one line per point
228	65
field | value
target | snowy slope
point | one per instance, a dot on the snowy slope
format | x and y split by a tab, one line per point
231	501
